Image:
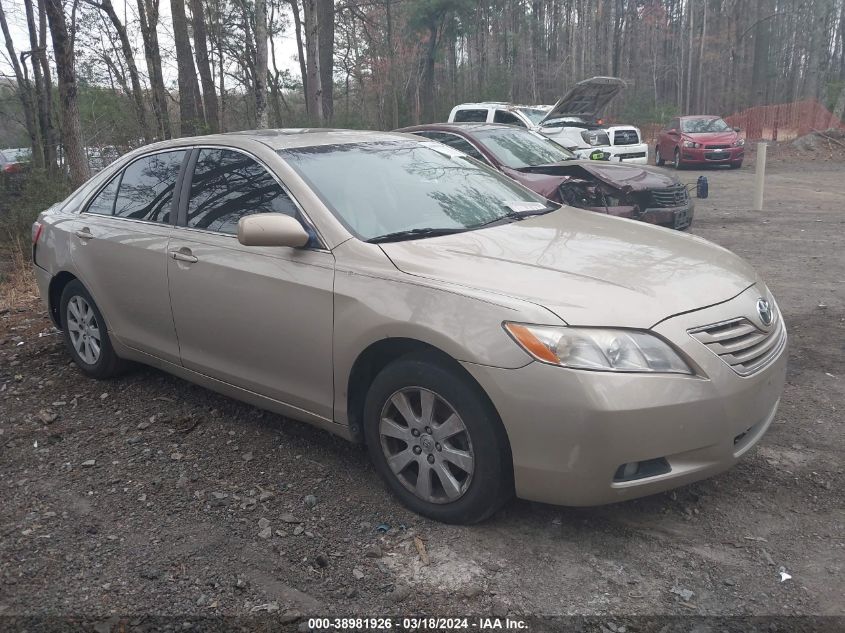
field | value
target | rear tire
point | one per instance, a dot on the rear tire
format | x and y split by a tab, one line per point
437	441
85	334
677	162
658	159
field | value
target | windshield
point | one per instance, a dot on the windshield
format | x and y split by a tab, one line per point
376	189
535	115
701	126
518	149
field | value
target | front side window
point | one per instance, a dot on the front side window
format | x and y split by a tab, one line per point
519	149
146	189
103	202
381	188
502	116
475	116
227	186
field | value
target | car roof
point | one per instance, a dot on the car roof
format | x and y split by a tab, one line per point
287	138
458	126
700	116
494	104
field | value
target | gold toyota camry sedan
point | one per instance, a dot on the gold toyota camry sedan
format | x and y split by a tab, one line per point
481	341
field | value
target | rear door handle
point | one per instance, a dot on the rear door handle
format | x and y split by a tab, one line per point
84	234
182	256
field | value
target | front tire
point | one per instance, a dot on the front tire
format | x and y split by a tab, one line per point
658	159
677	161
85	334
437	441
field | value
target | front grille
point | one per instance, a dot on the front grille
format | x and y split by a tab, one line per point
716	146
630	155
673	196
625	137
743	345
717	156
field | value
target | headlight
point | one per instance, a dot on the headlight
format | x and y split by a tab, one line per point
595	137
739	142
601	349
692	144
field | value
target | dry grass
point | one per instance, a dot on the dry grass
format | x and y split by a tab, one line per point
17	283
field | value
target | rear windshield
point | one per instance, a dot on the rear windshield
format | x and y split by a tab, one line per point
701	126
521	148
535	115
384	187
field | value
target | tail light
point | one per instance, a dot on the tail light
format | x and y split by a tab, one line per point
37	229
13	168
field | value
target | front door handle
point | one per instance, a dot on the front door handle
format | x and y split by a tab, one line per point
84	234
183	256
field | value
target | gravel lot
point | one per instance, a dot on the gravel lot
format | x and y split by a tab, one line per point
148	495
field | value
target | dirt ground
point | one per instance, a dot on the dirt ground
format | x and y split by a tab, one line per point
147	495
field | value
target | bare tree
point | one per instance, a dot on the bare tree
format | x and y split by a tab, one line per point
313	90
42	82
74	151
260	82
209	97
191	117
148	16
325	55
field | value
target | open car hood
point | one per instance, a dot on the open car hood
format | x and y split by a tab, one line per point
586	99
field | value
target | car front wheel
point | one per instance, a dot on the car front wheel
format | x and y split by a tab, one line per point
677	161
437	441
85	335
658	159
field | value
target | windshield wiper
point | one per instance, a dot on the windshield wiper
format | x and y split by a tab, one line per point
516	216
412	234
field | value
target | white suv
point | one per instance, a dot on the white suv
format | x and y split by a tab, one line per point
573	121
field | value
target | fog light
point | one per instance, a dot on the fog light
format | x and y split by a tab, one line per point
640	470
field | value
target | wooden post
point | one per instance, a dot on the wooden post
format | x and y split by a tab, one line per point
759	176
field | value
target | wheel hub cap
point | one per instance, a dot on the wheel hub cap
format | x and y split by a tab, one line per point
427	445
83	329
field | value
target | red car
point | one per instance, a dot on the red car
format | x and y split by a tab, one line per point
699	140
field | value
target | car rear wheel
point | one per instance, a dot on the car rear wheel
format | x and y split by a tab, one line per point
677	161
437	441
85	334
658	159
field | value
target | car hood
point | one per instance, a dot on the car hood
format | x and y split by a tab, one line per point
713	137
587	268
586	99
545	179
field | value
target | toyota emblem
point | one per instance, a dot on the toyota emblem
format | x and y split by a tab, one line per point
764	309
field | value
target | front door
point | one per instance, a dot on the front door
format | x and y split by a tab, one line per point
256	317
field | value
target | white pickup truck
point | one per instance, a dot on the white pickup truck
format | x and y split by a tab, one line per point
572	122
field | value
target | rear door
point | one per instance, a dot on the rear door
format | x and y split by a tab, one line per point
256	317
119	248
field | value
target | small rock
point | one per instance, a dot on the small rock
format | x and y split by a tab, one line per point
373	551
472	591
88	463
399	593
269	607
47	416
287	517
265	495
351	593
729	582
263	523
143	425
290	616
321	560
310	501
247	457
150	573
685	594
358	574
280	533
103	396
176	456
298	530
265	533
240	584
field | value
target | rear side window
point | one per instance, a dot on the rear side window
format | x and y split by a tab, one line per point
146	189
103	202
477	116
227	186
501	116
462	145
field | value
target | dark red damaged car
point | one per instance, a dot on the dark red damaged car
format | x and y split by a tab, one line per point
551	170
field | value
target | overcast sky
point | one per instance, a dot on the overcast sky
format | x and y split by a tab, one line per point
16	17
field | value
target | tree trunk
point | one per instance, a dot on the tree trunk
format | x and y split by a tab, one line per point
74	150
44	157
325	38
209	97
260	83
191	119
313	91
148	17
300	49
134	78
25	94
48	129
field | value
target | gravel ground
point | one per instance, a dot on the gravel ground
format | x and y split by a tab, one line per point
148	495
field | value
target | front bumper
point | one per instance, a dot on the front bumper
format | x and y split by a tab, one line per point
635	154
570	431
679	218
704	156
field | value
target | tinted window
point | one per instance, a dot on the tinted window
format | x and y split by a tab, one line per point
380	188
146	189
471	115
506	117
229	185
103	202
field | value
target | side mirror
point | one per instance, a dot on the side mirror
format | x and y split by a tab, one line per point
271	229
673	131
736	129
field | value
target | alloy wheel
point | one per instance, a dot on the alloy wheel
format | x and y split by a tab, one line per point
83	329
427	445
